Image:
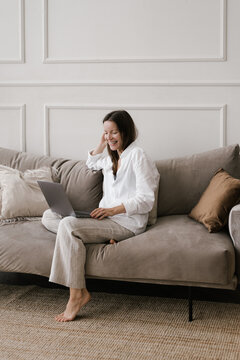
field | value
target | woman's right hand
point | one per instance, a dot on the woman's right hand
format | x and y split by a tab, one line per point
103	140
100	148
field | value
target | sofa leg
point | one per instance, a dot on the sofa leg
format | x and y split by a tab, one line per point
190	307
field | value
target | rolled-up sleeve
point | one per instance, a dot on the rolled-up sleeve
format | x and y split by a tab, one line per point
147	179
95	162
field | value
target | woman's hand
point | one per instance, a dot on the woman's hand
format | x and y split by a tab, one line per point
101	213
103	141
100	148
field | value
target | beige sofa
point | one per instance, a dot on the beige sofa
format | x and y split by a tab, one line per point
175	250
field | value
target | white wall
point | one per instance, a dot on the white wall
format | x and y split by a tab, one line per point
173	64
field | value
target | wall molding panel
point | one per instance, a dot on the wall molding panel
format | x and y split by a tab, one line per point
222	56
222	109
173	64
22	122
121	84
21	35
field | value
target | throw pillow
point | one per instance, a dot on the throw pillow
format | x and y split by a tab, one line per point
222	193
21	195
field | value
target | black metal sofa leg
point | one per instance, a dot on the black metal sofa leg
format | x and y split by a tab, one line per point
190	307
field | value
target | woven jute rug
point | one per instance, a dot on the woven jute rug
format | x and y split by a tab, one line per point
114	326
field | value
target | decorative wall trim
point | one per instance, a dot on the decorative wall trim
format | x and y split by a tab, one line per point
223	42
222	56
21	31
121	84
223	125
22	122
221	108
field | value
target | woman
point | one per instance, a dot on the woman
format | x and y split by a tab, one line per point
130	179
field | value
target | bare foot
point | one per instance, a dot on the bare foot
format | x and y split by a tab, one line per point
112	241
73	306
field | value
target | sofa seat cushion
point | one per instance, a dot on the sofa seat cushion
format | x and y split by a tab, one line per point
176	248
26	247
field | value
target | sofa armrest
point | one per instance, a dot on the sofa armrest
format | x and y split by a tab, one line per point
234	230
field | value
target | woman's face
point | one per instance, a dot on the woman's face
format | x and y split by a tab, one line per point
113	136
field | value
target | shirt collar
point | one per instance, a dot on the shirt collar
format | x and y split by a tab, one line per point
128	149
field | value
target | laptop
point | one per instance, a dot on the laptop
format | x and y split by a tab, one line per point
58	201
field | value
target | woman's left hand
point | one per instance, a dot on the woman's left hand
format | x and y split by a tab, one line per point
101	213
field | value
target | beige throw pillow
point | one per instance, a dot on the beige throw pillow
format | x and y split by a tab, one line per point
222	193
20	193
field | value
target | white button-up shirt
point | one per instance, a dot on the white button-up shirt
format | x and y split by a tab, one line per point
136	180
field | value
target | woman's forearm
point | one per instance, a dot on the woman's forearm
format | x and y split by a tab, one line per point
120	209
99	149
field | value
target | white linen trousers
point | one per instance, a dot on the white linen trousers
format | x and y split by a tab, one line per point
69	257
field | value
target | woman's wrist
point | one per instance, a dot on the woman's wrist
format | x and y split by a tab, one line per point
101	213
98	149
120	209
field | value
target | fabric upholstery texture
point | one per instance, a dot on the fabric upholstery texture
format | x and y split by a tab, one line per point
26	247
83	186
20	193
180	248
222	193
183	180
152	217
176	250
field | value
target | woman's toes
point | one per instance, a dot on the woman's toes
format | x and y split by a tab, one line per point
59	317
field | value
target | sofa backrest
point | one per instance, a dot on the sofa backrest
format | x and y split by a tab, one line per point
183	180
82	185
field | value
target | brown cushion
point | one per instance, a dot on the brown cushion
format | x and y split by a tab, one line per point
222	193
